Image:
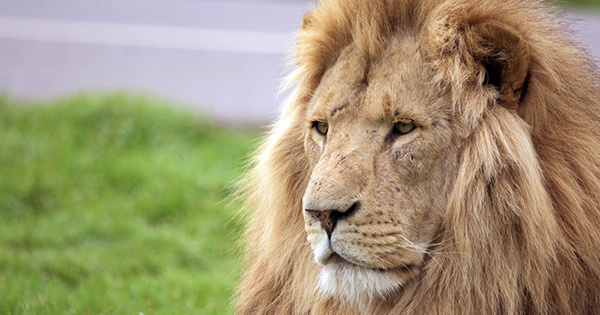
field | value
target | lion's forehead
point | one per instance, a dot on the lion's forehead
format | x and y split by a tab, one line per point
397	84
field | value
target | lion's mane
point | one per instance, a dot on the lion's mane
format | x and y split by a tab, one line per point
521	233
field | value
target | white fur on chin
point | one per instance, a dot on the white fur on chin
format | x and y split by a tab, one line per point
356	284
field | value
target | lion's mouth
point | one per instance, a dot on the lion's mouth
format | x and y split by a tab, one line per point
330	251
341	256
327	253
352	262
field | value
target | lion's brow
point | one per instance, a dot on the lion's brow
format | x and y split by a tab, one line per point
339	109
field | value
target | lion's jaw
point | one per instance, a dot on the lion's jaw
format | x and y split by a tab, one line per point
386	192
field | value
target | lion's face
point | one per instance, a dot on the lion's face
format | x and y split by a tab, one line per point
384	150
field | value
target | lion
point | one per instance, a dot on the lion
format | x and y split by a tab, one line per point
435	157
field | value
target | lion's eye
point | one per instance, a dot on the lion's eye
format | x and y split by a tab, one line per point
321	127
403	127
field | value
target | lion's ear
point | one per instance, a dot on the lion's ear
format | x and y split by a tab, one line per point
504	56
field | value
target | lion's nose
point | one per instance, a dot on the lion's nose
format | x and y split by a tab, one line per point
330	218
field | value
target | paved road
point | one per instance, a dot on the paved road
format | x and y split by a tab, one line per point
225	58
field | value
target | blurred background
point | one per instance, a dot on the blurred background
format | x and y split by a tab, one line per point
123	124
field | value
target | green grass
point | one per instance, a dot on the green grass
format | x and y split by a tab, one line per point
114	205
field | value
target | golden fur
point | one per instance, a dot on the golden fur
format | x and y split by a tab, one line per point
491	205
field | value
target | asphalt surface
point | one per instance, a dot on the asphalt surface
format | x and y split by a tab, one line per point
224	58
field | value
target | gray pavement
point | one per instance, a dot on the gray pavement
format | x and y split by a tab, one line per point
224	58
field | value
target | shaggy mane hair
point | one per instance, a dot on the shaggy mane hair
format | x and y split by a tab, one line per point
521	234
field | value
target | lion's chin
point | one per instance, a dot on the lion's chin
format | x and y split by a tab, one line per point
358	284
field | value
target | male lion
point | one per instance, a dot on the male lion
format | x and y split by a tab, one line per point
437	157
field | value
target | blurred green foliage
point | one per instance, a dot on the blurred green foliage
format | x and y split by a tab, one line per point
114	205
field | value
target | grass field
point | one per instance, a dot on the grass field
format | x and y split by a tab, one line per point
114	205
